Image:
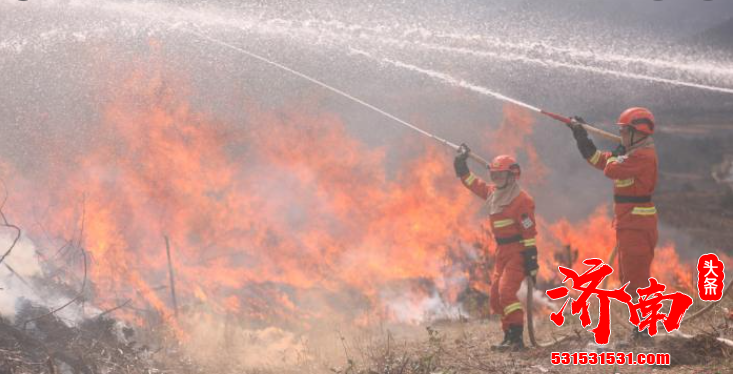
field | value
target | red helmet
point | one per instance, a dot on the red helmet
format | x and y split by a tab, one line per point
640	119
505	163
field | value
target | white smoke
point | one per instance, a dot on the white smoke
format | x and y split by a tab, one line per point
14	283
406	308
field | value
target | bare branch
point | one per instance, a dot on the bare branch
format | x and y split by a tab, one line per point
710	306
5	223
108	311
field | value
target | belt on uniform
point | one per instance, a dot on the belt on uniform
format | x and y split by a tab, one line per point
625	199
508	240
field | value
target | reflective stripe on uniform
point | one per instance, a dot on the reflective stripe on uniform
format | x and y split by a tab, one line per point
611	159
623	182
470	179
503	223
512	308
529	242
596	156
644	211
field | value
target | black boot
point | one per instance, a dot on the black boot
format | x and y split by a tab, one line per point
503	343
516	339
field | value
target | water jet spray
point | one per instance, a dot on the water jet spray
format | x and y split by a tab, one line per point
485	91
443	77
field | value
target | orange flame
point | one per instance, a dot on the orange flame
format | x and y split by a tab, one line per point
595	238
284	219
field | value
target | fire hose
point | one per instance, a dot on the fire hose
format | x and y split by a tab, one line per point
530	321
472	155
477	158
710	306
530	303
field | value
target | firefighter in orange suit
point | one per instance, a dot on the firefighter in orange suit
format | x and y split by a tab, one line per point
511	212
633	169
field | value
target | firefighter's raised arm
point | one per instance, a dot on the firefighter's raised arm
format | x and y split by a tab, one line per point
470	180
596	158
586	146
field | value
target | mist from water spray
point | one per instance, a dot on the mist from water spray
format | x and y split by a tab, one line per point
512	57
699	73
452	81
141	21
529	53
322	84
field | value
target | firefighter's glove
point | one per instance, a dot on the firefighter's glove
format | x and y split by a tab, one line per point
585	145
576	125
459	164
530	262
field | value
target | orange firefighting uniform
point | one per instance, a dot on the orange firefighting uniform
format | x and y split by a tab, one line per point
514	230
635	217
